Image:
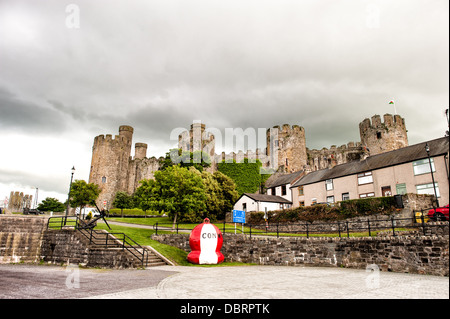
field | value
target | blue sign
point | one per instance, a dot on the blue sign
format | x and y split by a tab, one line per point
239	216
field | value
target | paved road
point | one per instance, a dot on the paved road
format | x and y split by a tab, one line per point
240	282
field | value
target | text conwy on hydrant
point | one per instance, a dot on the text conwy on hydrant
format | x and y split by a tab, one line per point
205	241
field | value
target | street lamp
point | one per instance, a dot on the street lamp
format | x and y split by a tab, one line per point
427	148
68	197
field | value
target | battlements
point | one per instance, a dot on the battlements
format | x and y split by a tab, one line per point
140	150
286	129
350	146
379	137
241	155
389	120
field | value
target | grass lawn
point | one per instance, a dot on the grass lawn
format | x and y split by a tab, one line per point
165	222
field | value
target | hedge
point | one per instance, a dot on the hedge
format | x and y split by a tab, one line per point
342	210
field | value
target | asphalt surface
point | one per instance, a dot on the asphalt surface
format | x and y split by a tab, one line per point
195	282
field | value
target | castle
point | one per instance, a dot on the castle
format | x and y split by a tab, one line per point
113	168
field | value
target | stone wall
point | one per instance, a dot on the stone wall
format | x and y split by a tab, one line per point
27	240
21	238
67	246
410	254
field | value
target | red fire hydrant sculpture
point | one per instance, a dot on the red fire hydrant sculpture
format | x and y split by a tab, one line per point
205	241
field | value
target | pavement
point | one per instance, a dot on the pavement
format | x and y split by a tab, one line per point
199	282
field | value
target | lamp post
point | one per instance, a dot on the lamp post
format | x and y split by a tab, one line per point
427	148
68	197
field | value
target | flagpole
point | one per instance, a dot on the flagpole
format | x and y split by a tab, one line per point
395	109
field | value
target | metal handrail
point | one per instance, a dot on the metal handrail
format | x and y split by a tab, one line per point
91	234
342	228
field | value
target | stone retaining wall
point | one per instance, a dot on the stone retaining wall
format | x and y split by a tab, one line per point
410	254
67	246
21	238
26	239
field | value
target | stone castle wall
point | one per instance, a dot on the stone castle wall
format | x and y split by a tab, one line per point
113	169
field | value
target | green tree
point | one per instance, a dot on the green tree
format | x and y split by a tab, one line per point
220	194
176	190
82	193
51	204
146	196
197	159
228	192
123	200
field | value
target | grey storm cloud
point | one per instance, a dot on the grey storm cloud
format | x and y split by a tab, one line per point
27	116
159	65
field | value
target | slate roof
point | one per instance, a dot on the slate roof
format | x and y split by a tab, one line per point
283	179
266	198
404	155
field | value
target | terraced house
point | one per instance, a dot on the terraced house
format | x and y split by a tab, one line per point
409	169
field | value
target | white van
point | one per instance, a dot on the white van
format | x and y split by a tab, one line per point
85	211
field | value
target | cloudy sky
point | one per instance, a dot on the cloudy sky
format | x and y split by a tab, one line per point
72	70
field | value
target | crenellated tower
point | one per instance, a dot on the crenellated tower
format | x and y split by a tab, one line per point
109	164
199	139
380	137
286	147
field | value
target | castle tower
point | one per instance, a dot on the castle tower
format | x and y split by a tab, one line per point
140	151
380	137
286	148
198	139
109	165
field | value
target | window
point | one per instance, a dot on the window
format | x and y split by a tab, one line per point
244	207
329	184
104	179
302	203
423	166
428	189
345	196
313	201
283	190
287	162
300	191
273	191
378	135
365	178
366	195
330	199
400	189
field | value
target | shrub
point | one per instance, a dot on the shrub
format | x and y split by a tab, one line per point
343	210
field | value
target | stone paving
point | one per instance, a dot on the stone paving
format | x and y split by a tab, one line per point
271	282
239	282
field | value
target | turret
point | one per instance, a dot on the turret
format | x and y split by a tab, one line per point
379	137
286	147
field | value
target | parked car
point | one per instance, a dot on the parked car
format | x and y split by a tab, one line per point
27	211
440	213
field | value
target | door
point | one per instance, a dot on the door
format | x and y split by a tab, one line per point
386	191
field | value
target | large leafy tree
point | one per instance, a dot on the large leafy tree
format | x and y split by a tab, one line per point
123	200
179	191
51	204
220	194
82	193
228	192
